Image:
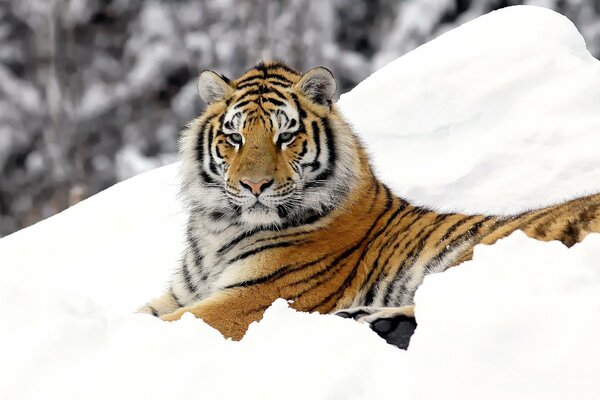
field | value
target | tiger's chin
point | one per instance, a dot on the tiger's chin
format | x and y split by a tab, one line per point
260	215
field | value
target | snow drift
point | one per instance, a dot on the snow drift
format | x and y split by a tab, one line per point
497	116
505	130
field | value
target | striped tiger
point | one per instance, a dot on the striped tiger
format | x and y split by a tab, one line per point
284	204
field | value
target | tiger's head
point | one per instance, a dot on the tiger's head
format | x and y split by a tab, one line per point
270	149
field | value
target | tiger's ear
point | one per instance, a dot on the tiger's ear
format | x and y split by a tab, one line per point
213	87
318	85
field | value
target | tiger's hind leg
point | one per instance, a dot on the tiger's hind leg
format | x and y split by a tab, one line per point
395	325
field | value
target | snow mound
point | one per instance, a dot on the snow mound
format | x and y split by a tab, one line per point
519	321
117	247
497	116
81	355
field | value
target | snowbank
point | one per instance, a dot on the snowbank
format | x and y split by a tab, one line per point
519	321
496	116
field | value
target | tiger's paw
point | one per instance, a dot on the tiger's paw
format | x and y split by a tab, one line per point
147	309
395	325
160	306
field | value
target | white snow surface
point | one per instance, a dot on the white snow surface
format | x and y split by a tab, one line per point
497	116
452	125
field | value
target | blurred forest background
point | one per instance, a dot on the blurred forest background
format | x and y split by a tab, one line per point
95	91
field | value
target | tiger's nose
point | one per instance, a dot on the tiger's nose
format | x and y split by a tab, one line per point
256	187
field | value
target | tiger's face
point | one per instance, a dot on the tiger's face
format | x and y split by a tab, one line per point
260	155
265	151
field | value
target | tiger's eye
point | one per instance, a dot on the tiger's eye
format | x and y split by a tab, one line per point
235	138
286	137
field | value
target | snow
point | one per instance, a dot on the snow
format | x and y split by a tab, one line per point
519	321
494	115
534	337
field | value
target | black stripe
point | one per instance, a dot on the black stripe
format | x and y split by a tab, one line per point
282	66
316	134
308	217
286	236
275	90
295	167
264	119
191	287
200	145
285	270
282	212
200	153
301	111
533	218
206	178
261	67
263	248
331	156
272	101
278	77
195	248
153	310
377	188
455	226
216	215
249	93
249	78
243	103
235	241
304	149
226	79
211	164
177	300
282	117
218	152
370	296
279	81
249	83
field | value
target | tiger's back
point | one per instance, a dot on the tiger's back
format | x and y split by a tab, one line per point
284	204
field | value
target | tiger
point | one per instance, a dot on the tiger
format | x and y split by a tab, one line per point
284	203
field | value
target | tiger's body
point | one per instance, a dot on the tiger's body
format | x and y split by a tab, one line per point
284	204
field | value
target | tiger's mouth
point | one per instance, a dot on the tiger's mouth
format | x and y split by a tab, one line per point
270	208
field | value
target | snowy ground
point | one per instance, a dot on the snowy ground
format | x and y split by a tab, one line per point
515	126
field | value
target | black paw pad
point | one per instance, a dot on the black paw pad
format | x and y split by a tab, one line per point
396	331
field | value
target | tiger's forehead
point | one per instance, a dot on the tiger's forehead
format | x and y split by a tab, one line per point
255	113
263	91
272	73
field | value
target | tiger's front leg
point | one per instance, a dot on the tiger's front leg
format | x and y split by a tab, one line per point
165	304
394	324
230	311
